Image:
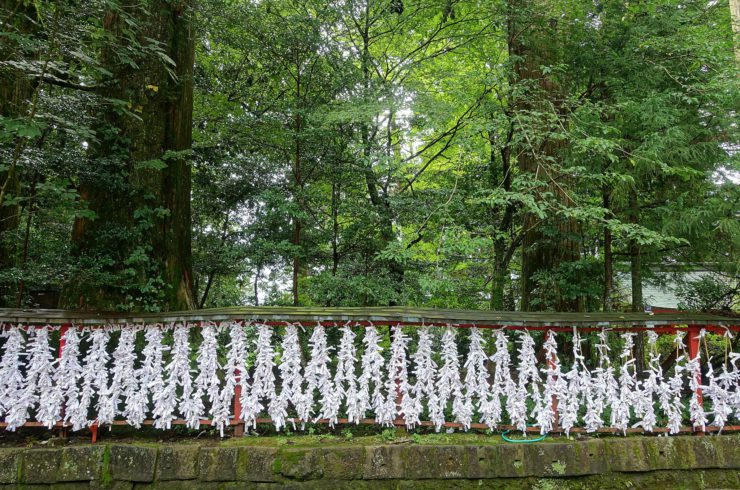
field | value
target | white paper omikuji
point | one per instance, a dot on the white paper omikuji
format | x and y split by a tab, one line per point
234	369
734	379
605	387
578	387
449	384
27	399
719	388
425	372
529	381
68	376
318	377
126	380
39	382
11	379
506	380
95	380
693	367
345	381
290	373
76	412
207	383
151	372
263	381
403	385
628	385
650	387
715	391
177	376
370	395
397	384
503	389
555	384
476	373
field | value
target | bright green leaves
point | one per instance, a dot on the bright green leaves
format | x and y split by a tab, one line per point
20	128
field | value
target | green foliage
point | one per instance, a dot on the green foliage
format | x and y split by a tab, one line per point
378	153
709	293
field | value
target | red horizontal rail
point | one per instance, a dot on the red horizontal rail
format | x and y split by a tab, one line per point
425	423
663	329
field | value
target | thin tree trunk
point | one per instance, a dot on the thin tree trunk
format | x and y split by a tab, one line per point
501	252
636	282
608	257
298	183
256	286
335	190
26	242
379	201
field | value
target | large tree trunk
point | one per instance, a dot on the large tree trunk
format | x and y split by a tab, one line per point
533	44
139	180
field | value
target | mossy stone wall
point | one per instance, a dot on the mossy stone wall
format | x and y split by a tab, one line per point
634	462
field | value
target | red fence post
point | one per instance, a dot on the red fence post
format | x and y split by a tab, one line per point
694	346
551	365
238	427
62	331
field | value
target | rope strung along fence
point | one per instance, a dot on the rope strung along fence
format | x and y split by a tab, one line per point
234	372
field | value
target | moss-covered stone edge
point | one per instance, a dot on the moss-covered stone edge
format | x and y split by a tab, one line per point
220	464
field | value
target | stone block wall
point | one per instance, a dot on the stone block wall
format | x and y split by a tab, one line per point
634	462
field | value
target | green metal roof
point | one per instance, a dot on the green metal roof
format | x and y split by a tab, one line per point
372	314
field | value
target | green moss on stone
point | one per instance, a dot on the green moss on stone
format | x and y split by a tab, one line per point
106	479
558	467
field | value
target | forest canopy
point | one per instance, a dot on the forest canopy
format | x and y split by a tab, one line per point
485	154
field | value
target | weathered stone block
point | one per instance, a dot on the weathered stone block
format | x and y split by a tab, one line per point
177	463
706	452
217	463
10	460
257	464
663	453
626	454
343	463
729	447
132	463
301	464
83	463
383	462
440	462
41	465
564	459
501	461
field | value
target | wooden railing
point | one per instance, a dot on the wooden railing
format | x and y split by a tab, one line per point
238	367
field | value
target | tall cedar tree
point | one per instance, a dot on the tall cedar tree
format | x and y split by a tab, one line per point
533	33
140	180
